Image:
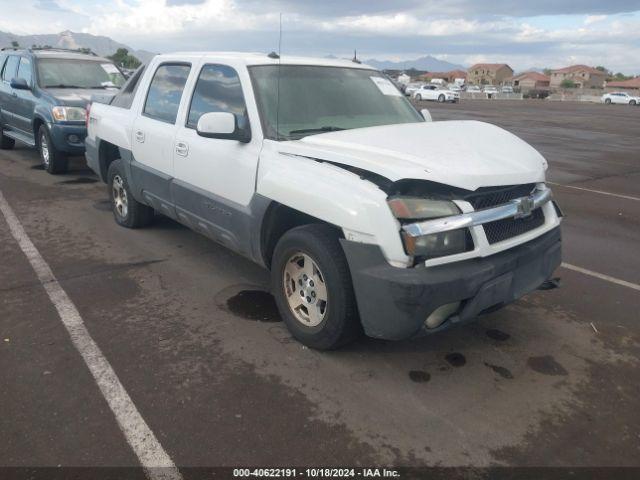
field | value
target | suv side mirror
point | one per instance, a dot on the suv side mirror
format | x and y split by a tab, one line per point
222	125
19	84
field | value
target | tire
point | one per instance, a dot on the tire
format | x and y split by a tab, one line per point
607	101
323	259
6	143
53	160
441	99
419	98
632	103
127	211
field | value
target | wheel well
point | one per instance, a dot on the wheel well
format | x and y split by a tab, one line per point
278	220
37	122
108	153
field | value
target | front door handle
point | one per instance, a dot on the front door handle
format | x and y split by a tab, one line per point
140	136
182	149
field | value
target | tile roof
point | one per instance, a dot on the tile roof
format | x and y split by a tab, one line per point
631	83
489	66
578	68
537	76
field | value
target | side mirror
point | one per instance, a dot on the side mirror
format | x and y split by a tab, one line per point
222	125
19	84
426	115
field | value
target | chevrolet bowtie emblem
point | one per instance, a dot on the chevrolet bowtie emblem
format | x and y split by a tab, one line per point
525	206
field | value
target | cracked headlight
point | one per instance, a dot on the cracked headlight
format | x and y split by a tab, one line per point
69	114
436	244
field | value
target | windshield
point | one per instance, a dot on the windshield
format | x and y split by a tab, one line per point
70	73
316	99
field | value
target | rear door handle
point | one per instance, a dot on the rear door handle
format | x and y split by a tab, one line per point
140	136
182	149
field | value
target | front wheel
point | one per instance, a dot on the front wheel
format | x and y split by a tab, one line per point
54	161
632	102
419	98
607	101
311	283
441	99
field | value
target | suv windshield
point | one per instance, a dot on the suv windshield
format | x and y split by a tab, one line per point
317	99
71	73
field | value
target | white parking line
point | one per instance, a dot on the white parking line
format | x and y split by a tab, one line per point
155	461
601	276
626	197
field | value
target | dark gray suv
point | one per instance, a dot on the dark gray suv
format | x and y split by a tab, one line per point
43	95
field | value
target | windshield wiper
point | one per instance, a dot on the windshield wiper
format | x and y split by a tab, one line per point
317	130
63	86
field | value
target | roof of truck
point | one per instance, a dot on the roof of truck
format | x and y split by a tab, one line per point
265	59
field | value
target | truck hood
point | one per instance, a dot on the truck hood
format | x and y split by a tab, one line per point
463	154
78	97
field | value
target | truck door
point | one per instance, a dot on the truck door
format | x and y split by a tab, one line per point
154	131
24	99
215	178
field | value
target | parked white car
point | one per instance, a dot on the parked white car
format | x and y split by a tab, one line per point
412	88
369	217
474	89
436	93
620	97
490	89
506	89
454	87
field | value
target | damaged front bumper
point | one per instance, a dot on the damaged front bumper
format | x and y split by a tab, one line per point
394	303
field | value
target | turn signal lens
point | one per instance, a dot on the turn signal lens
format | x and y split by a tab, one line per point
410	208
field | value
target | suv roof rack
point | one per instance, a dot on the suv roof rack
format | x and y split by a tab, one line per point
59	49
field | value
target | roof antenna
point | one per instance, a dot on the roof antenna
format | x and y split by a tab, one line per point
278	81
355	57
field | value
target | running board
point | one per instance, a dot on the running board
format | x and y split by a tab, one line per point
21	137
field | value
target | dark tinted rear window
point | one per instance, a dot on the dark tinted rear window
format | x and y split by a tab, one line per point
165	92
124	98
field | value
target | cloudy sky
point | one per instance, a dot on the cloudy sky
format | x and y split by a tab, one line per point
524	33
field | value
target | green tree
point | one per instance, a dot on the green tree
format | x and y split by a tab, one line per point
124	60
567	83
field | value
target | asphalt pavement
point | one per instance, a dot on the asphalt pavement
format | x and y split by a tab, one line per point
551	380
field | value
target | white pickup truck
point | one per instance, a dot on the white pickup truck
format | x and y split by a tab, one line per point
369	217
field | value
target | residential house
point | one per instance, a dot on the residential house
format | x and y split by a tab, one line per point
582	76
632	85
530	81
489	73
448	77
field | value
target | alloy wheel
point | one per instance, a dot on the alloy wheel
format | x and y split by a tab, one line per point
305	289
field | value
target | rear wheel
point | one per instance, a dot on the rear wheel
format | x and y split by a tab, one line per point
607	101
6	143
441	98
419	98
54	161
312	286
127	211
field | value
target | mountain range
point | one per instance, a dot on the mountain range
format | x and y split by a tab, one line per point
105	46
100	45
427	63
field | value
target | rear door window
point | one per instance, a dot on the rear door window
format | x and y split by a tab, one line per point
165	92
124	98
10	68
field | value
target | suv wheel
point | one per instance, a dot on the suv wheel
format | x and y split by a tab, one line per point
312	286
6	143
54	161
127	211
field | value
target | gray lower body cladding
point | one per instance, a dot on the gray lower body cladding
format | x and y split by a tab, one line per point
395	302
